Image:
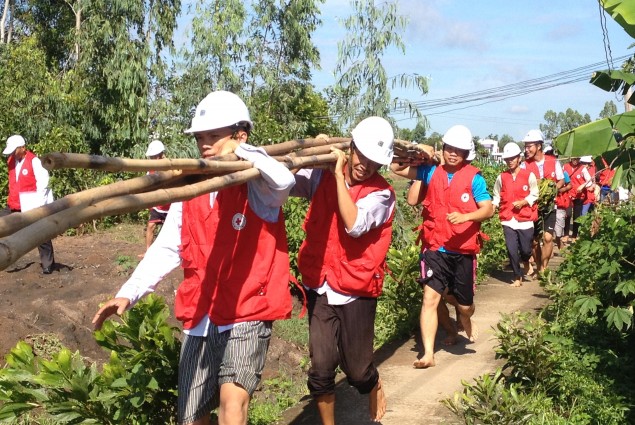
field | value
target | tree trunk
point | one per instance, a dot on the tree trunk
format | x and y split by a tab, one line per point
3	20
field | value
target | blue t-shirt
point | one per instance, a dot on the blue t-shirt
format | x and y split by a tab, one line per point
567	179
479	187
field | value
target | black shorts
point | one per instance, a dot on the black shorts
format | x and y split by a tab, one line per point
548	224
156	216
451	271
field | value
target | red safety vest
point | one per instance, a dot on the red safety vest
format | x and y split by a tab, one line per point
606	175
26	182
516	190
548	168
577	179
236	265
443	198
351	266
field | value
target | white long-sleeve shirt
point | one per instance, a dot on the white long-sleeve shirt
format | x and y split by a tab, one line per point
265	195
43	194
373	210
530	198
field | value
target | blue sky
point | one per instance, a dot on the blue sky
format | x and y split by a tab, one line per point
468	46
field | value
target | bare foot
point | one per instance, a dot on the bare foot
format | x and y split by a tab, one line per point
471	331
516	283
377	402
423	363
528	268
451	339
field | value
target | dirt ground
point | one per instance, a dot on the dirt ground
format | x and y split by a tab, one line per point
90	269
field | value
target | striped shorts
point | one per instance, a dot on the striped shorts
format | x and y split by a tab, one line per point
236	355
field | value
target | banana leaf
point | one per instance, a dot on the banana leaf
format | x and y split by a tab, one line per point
623	12
597	137
614	81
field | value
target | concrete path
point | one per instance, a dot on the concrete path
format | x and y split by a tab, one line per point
414	394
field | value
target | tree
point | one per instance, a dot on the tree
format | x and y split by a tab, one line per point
281	56
362	85
557	123
505	139
121	44
609	110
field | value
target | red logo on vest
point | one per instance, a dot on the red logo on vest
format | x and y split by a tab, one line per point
239	221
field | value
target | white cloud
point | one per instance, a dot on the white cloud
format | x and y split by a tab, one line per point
518	109
428	24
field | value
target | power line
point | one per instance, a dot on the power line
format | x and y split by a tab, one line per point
511	90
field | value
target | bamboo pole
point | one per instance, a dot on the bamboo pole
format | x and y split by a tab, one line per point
24	240
15	222
58	160
37	232
32	228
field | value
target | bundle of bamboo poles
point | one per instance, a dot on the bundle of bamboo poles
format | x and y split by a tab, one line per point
174	180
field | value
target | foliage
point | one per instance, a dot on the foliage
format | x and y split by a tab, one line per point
280	393
608	110
598	276
490	401
298	112
295	210
362	87
34	99
400	303
136	386
577	356
557	123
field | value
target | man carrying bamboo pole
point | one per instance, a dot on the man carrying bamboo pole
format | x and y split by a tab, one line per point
233	250
28	189
342	260
455	204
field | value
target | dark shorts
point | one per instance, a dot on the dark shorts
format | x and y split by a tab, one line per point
451	271
156	216
548	224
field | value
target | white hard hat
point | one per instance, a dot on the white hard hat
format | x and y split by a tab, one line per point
586	158
511	150
533	136
13	143
154	148
374	138
220	109
472	154
458	136
548	149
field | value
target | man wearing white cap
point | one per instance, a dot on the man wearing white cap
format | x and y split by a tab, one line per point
157	213
544	167
28	189
515	193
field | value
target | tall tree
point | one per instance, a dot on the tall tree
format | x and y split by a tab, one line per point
362	85
282	56
557	123
121	44
262	50
609	110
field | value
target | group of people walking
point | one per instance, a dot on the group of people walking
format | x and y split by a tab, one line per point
232	247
